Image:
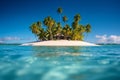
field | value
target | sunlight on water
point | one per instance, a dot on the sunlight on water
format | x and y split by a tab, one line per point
59	63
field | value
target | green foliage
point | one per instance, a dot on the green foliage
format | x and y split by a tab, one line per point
54	30
77	18
59	10
65	18
67	32
35	29
88	28
49	22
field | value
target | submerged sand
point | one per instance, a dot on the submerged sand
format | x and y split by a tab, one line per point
59	43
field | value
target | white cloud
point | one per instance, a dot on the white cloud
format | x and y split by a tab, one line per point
102	38
108	39
12	38
1	41
9	38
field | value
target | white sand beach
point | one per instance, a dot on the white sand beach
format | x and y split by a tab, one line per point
60	43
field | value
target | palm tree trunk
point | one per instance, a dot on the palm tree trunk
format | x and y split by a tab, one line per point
51	36
60	18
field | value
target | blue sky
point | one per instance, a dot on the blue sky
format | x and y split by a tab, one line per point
17	15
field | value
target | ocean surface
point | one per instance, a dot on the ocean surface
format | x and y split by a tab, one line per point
59	63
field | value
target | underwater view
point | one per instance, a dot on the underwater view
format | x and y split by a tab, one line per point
59	63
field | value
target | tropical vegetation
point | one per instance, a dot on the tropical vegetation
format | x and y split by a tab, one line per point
54	30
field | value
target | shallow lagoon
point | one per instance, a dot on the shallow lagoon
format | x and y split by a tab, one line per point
59	63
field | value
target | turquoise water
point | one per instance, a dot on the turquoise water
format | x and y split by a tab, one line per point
59	63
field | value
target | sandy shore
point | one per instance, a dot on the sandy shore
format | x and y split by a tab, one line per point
60	43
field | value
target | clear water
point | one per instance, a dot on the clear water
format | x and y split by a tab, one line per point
59	63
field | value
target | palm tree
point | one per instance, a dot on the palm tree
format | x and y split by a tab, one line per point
39	24
49	22
67	32
56	31
42	35
59	30
65	19
81	30
78	29
35	29
75	25
88	29
59	10
77	17
47	35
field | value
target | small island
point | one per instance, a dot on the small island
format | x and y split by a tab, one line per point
60	33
